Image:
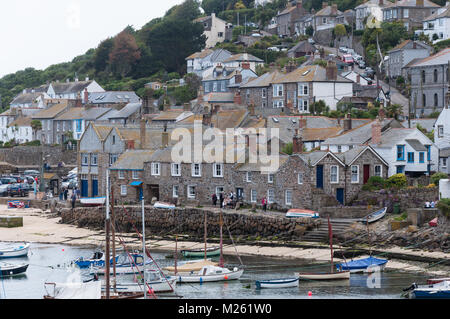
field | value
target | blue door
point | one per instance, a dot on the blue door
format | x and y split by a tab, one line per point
84	188
340	195
319	176
94	188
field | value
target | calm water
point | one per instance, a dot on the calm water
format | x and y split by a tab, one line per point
48	264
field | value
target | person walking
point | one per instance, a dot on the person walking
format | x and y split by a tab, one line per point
214	199
35	189
66	194
61	195
264	203
74	199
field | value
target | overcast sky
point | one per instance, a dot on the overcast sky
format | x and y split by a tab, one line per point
39	33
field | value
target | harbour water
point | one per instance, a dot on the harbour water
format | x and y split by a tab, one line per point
49	263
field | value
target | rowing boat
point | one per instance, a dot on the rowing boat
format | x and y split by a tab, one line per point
277	283
14	251
373	217
210	252
297	213
7	269
324	276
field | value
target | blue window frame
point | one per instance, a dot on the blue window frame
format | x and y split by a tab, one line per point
428	152
78	123
400	152
400	169
410	157
421	157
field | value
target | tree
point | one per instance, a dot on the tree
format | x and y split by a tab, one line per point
339	32
394	110
36	125
319	107
125	53
309	30
101	57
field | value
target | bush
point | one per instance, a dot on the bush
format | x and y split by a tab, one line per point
435	178
444	206
397	180
377	182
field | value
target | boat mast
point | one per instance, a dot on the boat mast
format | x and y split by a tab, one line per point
330	234
143	246
107	226
113	233
176	252
221	241
205	236
368	234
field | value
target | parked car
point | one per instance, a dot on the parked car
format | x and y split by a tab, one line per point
274	49
362	64
343	49
347	58
17	189
32	172
29	179
332	55
4	190
8	180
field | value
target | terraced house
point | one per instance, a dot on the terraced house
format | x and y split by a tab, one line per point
411	13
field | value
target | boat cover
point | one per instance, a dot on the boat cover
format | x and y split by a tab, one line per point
192	266
362	263
89	290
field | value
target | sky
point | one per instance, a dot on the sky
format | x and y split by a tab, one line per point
39	33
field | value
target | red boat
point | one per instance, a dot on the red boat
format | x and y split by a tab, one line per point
433	223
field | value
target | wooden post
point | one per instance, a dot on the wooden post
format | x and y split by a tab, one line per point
330	234
113	233
107	226
221	263
205	236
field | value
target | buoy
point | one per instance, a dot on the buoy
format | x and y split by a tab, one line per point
201	280
226	277
309	293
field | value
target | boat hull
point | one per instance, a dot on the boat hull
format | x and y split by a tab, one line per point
364	265
201	253
157	286
325	276
12	270
15	252
420	294
194	278
277	283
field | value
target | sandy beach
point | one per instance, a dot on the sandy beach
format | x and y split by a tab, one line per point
42	227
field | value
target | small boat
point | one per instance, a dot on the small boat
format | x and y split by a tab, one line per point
369	264
164	205
433	222
123	265
439	290
210	274
97	260
277	283
7	269
195	265
93	201
296	213
324	276
14	251
437	280
73	290
155	281
210	252
373	217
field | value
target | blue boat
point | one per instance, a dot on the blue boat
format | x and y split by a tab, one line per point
362	265
440	290
123	264
97	260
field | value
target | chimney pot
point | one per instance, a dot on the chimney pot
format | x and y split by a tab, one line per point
237	98
347	122
376	132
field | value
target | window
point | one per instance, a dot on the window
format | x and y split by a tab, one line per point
48	124
78	125
278	90
410	157
222	86
355	173
191	191
278	104
334	172
113	158
135	175
339	149
121	174
57	126
440	131
424	100
435	100
114	139
219	190
218	170
421	157
405	13
215	86
123	190
400	169
175	191
270	196
400	152
248	177
247	94
270	178
196	170
84	159
303	105
428	152
253	197
435	75
444	162
423	76
300	178
155	169
324	20
264	93
288	197
378	170
176	169
303	89
94	159
220	34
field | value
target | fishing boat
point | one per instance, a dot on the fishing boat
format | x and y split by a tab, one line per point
373	217
277	283
296	213
437	280
332	275
210	274
439	290
14	251
369	264
210	252
7	269
155	281
93	201
164	205
123	265
97	260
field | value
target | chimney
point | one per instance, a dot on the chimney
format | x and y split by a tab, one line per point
291	67
297	143
347	122
376	132
299	4
331	71
238	77
381	114
358	79
251	108
245	65
237	98
302	123
324	5
130	144
334	9
414	45
186	107
272	66
200	95
86	96
142	133
419	3
165	139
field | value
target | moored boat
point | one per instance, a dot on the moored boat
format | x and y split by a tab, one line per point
77	290
12	251
93	201
373	217
7	269
439	290
155	281
210	274
370	264
297	213
190	266
164	205
324	276
210	252
432	281
123	265
277	283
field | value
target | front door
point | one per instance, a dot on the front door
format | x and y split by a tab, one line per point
94	187
240	193
84	188
340	195
366	173
153	191
319	176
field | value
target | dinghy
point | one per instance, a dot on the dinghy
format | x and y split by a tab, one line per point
14	251
373	217
210	252
277	283
164	205
97	260
93	201
296	213
370	264
439	290
210	274
154	280
123	265
7	269
433	222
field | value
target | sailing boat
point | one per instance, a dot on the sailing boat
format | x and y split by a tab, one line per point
333	275
209	273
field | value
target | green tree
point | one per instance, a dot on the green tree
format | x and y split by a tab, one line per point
36	125
101	57
339	33
394	111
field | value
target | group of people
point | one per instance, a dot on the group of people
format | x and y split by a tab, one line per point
230	199
431	204
64	195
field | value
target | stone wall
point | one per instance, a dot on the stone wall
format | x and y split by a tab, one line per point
346	211
190	221
30	155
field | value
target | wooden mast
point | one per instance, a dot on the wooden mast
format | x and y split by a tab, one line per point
221	240
368	234
176	252
330	234
107	226
113	233
205	235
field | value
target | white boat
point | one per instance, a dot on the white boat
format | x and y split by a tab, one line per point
297	213
7	269
439	290
373	217
324	276
77	290
277	283
155	282
123	265
188	267
164	205
93	201
14	251
210	274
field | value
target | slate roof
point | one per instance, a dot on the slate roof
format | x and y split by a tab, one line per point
124	113
310	73
132	160
416	145
410	3
25	98
52	111
243	57
88	114
303	46
328	12
264	80
200	55
70	87
113	97
437	15
439	58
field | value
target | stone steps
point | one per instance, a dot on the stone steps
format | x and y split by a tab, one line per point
320	234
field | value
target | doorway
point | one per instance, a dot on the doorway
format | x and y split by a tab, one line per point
366	173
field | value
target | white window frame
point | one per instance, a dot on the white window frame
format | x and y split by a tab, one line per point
300	178
278	104
331	174
175	191
123	190
301	89
440	131
135	174
219	189
278	90
352	174
215	167
156	169
84	159
264	93
270	199
375	170
248	177
270	178
121	174
253	196
287	200
176	172
189	194
94	159
199	170
405	13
